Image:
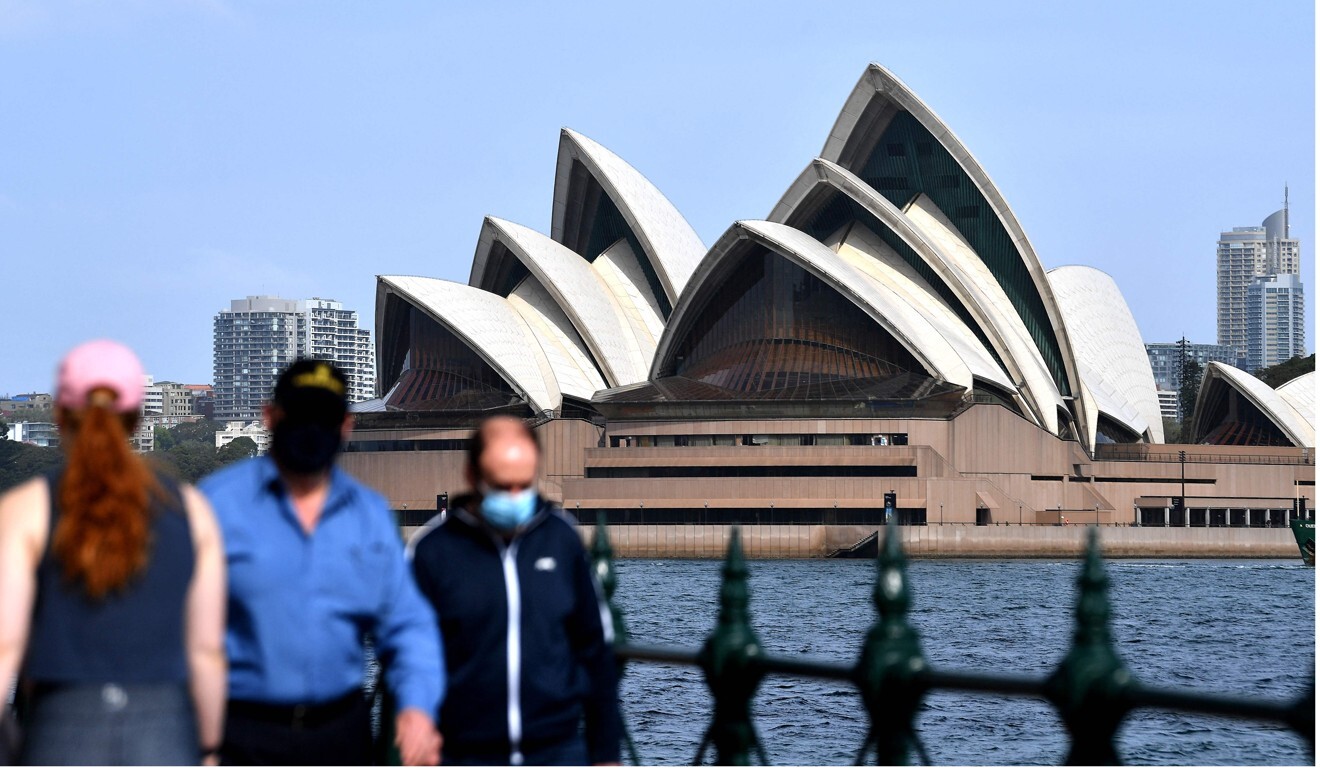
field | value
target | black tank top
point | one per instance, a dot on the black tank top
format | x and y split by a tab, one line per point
132	635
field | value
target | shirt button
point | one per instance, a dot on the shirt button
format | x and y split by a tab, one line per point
114	697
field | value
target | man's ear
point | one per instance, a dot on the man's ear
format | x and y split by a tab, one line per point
347	427
268	416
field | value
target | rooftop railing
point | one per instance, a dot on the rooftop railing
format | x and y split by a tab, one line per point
1140	453
1091	688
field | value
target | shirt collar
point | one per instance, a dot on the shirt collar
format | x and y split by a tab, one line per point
341	487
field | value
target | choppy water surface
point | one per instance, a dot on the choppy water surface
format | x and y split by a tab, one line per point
1232	627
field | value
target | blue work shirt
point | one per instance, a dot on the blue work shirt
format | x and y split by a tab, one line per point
300	604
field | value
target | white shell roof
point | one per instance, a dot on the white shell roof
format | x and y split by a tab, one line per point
872	257
997	308
1273	405
899	318
622	273
671	245
877	82
574	372
1110	353
949	256
491	327
1300	393
580	292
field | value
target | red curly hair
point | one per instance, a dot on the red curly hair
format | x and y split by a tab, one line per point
103	537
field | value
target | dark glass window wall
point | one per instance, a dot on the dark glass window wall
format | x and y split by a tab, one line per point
1229	419
441	373
771	324
907	161
599	224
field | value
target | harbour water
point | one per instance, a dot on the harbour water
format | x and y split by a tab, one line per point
1243	628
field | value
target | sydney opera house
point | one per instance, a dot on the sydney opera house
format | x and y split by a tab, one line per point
887	327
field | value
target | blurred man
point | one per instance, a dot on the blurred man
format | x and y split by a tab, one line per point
530	667
315	566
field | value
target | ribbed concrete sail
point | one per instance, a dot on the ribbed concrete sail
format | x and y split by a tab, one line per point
669	245
887	307
1273	406
1300	393
1110	353
621	271
869	255
576	286
952	270
574	372
891	139
491	327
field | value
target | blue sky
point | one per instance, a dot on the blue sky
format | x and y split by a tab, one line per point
159	158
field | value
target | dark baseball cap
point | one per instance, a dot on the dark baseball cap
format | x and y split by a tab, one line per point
312	391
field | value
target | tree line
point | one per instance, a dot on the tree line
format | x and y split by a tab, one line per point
186	452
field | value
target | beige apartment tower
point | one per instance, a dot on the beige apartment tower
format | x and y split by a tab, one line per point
1244	254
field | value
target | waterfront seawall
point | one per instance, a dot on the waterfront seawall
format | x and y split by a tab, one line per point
805	541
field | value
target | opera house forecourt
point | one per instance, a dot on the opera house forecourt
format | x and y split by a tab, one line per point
887	328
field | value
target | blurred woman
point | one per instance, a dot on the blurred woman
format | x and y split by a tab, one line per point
112	582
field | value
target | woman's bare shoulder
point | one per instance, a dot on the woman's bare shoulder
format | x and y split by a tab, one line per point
24	509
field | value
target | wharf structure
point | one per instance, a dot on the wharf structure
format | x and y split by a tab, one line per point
888	328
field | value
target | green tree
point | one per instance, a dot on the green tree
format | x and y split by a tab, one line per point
240	448
202	430
1279	374
32	415
164	438
1189	379
191	460
20	462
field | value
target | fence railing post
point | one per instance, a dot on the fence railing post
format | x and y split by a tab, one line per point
602	564
729	660
1091	684
891	666
1091	688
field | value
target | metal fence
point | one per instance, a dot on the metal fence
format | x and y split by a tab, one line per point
1092	690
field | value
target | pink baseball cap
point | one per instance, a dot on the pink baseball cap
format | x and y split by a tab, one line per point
100	364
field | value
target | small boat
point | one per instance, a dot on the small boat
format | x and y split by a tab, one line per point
1304	531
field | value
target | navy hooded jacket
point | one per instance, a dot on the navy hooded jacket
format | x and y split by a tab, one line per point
526	635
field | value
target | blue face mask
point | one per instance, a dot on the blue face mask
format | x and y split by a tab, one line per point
508	510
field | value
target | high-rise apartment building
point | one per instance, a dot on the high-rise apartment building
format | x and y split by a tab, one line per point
259	336
1276	316
329	332
1244	254
1166	360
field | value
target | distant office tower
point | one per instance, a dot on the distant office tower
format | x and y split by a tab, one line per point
1276	328
1244	254
259	336
1166	360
